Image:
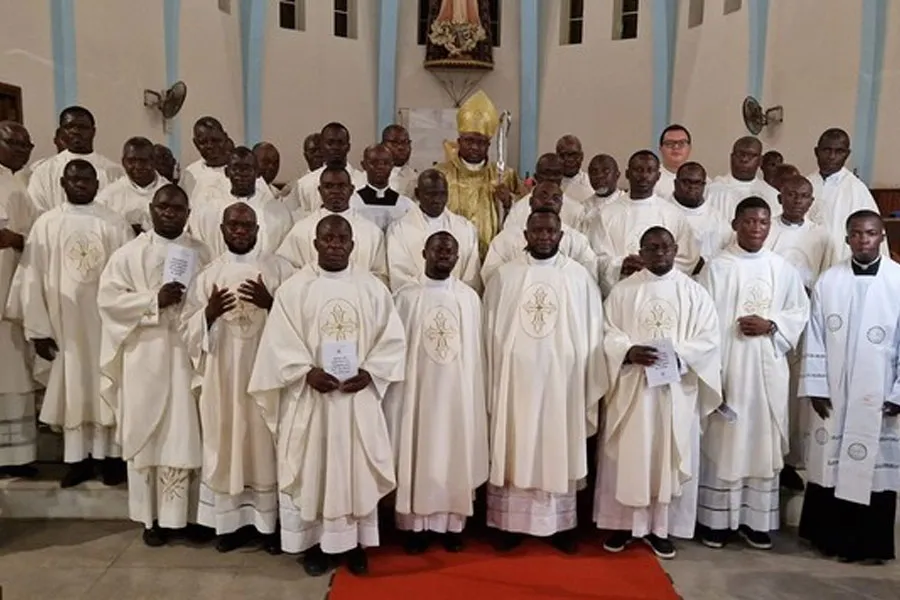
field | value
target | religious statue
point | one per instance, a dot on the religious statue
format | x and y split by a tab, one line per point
459	35
476	189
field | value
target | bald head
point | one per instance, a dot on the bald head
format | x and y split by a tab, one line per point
746	154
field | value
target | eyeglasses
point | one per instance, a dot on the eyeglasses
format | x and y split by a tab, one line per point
675	144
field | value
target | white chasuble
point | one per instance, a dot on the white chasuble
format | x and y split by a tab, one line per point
334	456
368	243
593	204
44	187
570	213
851	358
131	201
510	244
835	198
144	362
199	175
755	377
64	255
546	372
272	216
406	239
726	192
620	225
437	416
806	246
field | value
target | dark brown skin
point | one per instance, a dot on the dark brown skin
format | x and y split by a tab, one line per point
441	254
15	152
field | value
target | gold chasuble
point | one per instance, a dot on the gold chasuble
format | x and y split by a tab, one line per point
471	187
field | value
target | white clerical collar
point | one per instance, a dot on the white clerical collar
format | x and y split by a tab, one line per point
440	284
670	274
379	192
342	213
335	274
865	266
734	181
155	238
790	225
219	169
247	257
741	253
643	201
699	209
835	177
143	190
473	166
542	262
433	220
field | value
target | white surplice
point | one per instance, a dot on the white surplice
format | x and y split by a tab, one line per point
852	358
65	253
543	324
404	179
618	229
648	469
306	191
44	187
711	231
18	431
755	382
147	375
200	175
382	214
836	198
726	192
510	244
406	239
131	201
368	242
329	492
437	416
578	187
238	477
272	216
570	213
593	204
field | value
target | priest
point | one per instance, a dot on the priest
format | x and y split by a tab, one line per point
334	144
164	163
312	152
743	180
541	411
575	183
603	172
406	238
130	196
437	416
77	130
511	244
223	319
650	457
377	200
211	142
403	177
147	371
65	252
675	150
709	231
850	377
242	171
547	170
617	231
478	191
332	344
769	164
17	213
762	308
368	250
269	160
838	193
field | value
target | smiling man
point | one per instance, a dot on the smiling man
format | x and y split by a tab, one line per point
130	196
743	180
674	149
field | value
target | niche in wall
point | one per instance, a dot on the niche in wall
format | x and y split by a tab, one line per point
10	103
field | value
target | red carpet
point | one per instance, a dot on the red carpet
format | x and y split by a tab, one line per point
534	570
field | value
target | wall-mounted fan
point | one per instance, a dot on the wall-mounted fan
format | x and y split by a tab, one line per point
167	102
756	119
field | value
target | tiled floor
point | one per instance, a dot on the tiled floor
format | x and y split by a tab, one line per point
100	560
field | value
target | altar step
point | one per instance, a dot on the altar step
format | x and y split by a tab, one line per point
42	498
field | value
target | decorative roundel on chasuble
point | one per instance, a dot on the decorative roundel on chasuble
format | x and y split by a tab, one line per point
84	256
834	322
539	310
440	335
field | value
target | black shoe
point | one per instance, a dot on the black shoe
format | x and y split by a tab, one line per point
507	540
21	471
565	541
198	534
315	562
357	561
113	471
78	473
755	539
453	542
234	540
617	541
662	547
715	538
416	542
271	543
789	479
155	536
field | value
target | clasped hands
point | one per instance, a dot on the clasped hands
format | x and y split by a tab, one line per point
326	383
222	300
754	326
823	407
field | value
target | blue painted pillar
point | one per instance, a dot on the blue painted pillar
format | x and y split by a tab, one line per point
172	37
759	33
529	81
253	33
65	74
665	31
868	90
388	20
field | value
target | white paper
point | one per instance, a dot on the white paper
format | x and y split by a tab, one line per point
181	264
340	359
665	371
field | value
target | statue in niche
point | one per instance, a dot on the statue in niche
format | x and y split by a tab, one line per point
459	35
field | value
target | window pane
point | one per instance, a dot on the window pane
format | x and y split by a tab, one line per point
695	13
340	5
576	9
629	6
340	24
494	9
287	15
629	26
422	30
575	31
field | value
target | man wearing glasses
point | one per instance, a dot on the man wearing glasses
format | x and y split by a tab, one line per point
674	151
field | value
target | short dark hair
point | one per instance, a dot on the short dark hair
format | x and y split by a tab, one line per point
751	203
76	111
656	229
773	153
171	188
544	210
643	154
691	164
336	125
833	132
390	128
336	167
863	214
674	127
439	234
208	122
138	143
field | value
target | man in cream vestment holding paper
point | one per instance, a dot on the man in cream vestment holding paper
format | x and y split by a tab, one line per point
650	454
437	415
406	237
543	322
146	368
223	319
850	377
331	346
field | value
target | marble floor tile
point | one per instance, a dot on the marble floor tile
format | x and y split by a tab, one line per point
136	583
277	583
62	544
178	554
47	584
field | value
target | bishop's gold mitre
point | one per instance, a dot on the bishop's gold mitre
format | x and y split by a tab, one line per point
478	115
